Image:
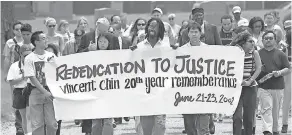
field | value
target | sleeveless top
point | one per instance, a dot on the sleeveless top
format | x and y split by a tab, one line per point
249	67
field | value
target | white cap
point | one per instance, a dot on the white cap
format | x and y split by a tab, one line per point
171	16
243	22
236	9
158	9
102	21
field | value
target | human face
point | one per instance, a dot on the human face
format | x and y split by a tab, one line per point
65	27
171	20
194	34
103	43
141	25
249	45
185	23
116	20
257	27
153	28
17	31
26	36
83	24
51	25
269	20
269	40
102	27
237	15
198	17
42	42
156	14
226	24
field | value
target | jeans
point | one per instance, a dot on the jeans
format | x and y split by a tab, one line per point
102	127
270	101
18	121
245	111
153	125
197	124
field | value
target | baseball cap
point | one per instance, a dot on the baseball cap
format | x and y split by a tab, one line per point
236	9
102	21
157	9
287	24
25	49
243	23
171	16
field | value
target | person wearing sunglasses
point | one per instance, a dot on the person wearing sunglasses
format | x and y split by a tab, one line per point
52	36
245	110
175	27
138	27
17	79
271	90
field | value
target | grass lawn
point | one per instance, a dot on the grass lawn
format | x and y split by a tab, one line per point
38	24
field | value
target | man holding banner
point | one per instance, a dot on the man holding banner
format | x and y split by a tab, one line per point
196	124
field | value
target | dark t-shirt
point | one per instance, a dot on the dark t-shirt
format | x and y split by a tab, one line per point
273	60
226	37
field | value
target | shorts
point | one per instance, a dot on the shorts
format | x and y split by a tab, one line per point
19	100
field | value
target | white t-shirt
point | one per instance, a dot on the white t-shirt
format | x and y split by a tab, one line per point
34	65
16	73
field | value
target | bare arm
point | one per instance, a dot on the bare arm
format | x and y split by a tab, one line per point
258	65
62	45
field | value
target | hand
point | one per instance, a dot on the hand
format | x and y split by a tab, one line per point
248	82
142	36
174	47
92	47
276	73
49	95
133	47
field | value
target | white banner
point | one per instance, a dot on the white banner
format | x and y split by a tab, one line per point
120	83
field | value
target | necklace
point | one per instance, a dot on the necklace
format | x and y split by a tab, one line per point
40	57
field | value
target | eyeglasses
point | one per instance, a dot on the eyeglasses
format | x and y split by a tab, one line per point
250	41
141	24
17	29
269	38
51	26
259	26
171	19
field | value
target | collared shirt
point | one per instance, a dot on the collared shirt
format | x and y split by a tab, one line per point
146	45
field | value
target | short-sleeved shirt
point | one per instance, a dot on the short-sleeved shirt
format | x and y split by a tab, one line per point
9	50
273	60
34	65
14	73
226	37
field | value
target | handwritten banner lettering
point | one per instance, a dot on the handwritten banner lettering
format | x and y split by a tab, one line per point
200	79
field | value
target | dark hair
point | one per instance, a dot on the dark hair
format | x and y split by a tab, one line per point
270	13
134	29
161	28
194	25
254	20
181	29
35	37
52	46
240	29
16	23
241	38
26	27
267	32
226	17
109	47
288	38
112	18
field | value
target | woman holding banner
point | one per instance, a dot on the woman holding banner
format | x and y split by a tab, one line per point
247	101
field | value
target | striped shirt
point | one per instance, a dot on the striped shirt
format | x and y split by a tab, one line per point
249	67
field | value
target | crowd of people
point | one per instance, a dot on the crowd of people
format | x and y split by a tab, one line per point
266	85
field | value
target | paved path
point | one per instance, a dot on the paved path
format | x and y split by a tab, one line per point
174	126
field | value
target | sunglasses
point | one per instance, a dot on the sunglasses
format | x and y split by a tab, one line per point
141	24
269	38
51	26
171	19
